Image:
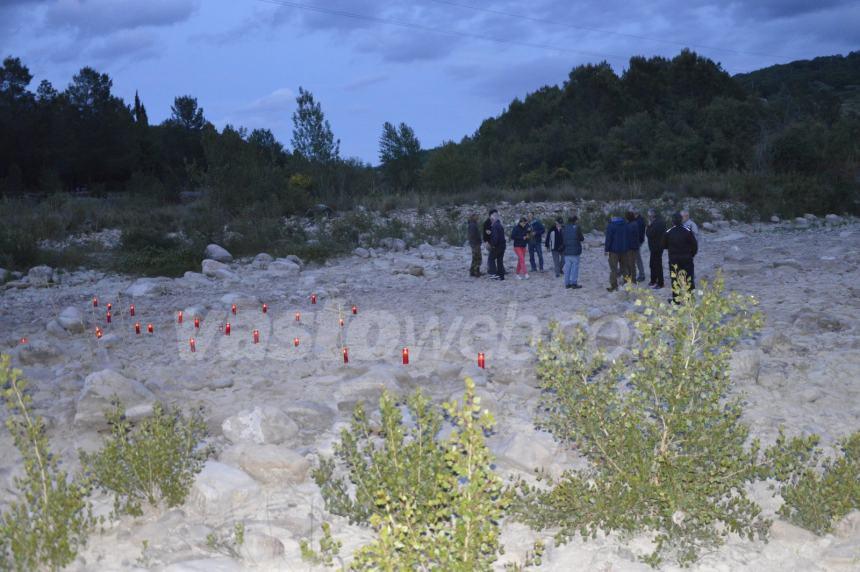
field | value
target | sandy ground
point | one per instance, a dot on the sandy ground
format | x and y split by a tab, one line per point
273	407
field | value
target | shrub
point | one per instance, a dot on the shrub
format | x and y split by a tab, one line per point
433	504
50	522
664	439
154	461
818	493
329	548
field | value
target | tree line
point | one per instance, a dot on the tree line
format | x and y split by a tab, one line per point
658	118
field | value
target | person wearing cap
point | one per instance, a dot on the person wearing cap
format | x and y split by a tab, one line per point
475	245
554	242
682	246
520	236
488	231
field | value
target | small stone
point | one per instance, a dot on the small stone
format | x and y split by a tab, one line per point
283	267
268	463
213	268
774	219
148	287
258	546
833	218
262	261
361	252
71	319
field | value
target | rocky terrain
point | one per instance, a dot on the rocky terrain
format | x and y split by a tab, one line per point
273	407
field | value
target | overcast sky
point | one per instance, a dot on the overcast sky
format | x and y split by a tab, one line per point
440	66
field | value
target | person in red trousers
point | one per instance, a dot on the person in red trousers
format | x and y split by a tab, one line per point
520	235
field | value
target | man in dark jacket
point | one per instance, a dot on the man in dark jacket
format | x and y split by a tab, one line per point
555	244
654	231
682	246
475	245
640	268
633	245
572	250
615	248
538	231
498	244
488	226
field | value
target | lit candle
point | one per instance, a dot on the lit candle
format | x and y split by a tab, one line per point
298	316
345	355
95	302
25	340
149	328
108	316
193	345
354	309
131	310
265	308
256	336
296	342
197	323
179	317
233	309
313	298
109	307
405	356
98	333
137	328
341	322
481	361
227	329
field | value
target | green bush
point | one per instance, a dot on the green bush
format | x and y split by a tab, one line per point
153	461
433	505
818	493
664	439
50	522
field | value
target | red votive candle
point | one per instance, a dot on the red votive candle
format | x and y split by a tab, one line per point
341	322
137	328
298	316
355	309
265	308
481	360
149	328
227	329
233	309
197	323
405	353
95	302
109	307
313	298
193	345
256	336
131	310
296	342
345	355
99	333
179	317
108	316
25	340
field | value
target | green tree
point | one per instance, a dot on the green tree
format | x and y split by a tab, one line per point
312	135
400	155
187	114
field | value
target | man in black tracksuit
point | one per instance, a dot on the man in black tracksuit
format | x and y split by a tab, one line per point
654	232
682	246
498	244
488	230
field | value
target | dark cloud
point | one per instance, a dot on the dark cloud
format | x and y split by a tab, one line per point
125	44
767	9
99	17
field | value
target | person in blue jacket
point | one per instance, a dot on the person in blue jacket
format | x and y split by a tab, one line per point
615	248
535	244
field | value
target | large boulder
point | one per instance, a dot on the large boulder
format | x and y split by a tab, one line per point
262	261
268	463
148	287
221	490
99	391
71	319
215	269
284	267
38	352
215	252
260	425
40	275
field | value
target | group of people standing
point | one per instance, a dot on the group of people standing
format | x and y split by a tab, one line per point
624	238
